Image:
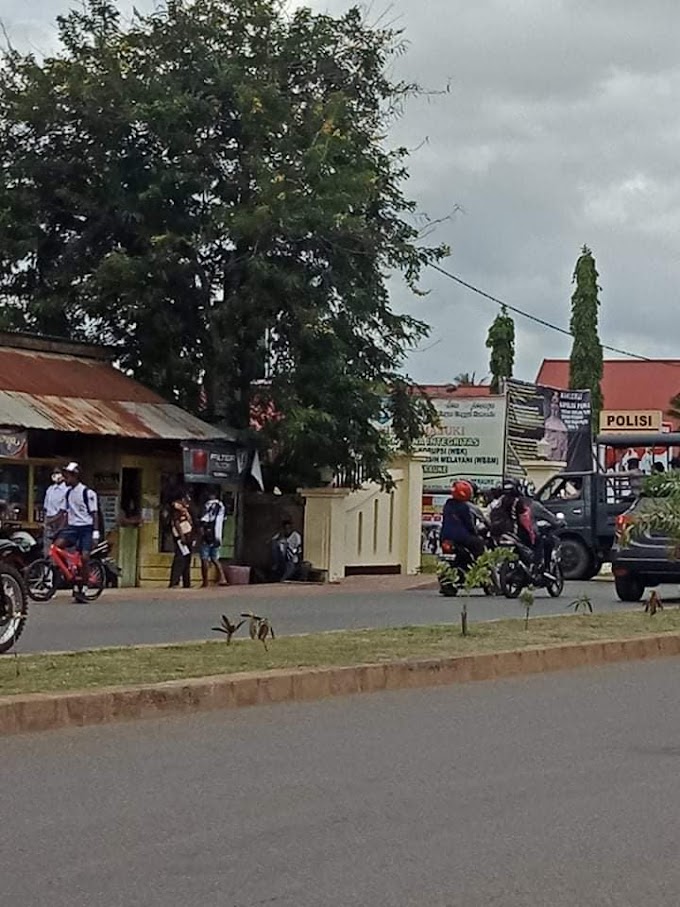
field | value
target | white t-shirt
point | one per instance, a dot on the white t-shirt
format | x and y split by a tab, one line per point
55	499
81	512
214	512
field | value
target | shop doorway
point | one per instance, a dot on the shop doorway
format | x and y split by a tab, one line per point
130	519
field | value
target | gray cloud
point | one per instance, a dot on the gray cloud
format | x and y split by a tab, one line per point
560	129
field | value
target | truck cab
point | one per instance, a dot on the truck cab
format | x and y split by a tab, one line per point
590	502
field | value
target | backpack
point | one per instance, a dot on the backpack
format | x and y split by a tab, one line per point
208	528
500	523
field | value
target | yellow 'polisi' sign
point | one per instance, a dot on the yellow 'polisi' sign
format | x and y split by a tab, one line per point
646	420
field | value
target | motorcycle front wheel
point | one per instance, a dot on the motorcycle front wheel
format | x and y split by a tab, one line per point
41	580
555	587
511	579
13	607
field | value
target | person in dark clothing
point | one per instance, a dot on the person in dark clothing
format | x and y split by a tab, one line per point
182	533
544	544
458	524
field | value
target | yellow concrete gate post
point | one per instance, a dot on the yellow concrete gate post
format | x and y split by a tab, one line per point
368	530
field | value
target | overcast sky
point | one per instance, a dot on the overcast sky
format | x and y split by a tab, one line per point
561	128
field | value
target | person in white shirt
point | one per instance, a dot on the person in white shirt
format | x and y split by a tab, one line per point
54	506
286	552
82	515
212	527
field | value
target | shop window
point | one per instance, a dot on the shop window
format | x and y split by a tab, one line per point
14	489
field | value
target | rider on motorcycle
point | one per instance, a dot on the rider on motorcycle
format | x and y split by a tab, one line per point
517	513
458	522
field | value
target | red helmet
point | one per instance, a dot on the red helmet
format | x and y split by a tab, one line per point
461	491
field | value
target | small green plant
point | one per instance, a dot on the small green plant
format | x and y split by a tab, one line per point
583	601
527	599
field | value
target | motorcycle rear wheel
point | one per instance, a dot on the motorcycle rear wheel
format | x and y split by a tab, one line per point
41	580
14	609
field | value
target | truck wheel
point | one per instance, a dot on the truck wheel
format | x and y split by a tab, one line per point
575	558
595	567
629	588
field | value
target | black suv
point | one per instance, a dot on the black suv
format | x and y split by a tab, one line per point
643	560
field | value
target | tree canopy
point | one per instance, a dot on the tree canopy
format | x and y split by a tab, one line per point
210	190
501	341
586	361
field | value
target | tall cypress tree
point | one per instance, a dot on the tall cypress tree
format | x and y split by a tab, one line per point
585	363
501	341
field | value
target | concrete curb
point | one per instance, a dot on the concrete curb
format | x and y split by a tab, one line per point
43	712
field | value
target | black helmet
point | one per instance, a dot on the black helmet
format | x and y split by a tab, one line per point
511	486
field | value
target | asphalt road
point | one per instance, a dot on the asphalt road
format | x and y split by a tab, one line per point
62	626
557	790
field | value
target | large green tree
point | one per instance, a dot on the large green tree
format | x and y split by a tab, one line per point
501	341
585	363
210	190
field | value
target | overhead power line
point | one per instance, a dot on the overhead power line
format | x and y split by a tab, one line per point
537	320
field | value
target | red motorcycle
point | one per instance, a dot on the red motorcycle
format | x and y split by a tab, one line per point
63	569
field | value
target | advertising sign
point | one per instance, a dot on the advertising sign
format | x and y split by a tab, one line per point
210	462
546	423
13	444
467	444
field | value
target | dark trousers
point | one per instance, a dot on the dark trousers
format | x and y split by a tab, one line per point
181	568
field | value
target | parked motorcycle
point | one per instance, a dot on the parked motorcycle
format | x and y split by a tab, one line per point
521	570
112	572
454	563
18	547
13	606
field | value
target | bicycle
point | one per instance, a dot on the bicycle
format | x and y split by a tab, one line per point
63	569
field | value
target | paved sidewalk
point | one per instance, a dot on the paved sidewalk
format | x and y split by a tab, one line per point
353	585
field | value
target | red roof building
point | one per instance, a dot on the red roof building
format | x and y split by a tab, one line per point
627	384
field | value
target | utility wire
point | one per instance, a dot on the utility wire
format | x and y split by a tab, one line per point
541	321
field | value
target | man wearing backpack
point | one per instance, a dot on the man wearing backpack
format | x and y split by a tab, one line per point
82	515
212	526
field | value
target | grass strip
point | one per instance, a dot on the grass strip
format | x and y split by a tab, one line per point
46	673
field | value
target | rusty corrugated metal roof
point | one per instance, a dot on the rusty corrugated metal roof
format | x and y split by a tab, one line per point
46	390
104	417
59	375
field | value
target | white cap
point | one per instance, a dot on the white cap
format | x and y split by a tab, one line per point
72	467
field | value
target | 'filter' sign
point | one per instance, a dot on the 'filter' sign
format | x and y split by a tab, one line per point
647	420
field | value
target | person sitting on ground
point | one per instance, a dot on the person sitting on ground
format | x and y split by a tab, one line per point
458	522
286	552
212	526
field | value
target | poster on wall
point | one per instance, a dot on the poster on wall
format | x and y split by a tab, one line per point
108	504
431	521
467	443
546	423
13	444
